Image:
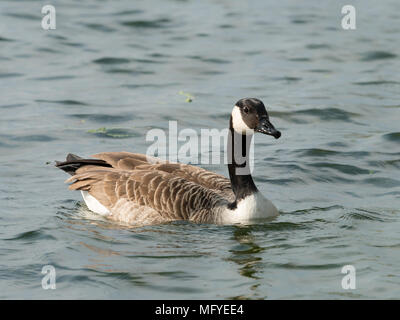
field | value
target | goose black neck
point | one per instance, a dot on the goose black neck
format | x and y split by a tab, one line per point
239	164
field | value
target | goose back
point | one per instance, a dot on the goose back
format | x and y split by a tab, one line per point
137	189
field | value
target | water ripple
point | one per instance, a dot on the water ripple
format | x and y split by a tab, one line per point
377	55
32	235
99	27
375	83
34	138
148	24
6	39
111	60
364	214
102	118
324	266
64	102
393	136
343	168
327	114
114	133
382	182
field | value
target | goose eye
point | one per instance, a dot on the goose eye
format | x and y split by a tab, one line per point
246	110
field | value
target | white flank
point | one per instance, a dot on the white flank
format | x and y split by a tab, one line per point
238	124
94	205
251	208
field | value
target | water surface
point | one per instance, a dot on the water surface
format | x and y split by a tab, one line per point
112	70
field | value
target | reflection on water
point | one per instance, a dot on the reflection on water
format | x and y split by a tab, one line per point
245	255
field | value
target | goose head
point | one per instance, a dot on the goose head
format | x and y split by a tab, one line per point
249	115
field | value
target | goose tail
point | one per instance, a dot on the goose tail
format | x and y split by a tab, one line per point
74	162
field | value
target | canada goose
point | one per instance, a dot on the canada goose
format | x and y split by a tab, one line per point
136	189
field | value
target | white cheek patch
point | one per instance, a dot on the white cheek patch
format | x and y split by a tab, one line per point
238	124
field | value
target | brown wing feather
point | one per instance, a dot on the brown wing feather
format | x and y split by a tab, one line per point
132	161
157	194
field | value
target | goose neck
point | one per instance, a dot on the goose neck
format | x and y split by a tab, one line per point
239	164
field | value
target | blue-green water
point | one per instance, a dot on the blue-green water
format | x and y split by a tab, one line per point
120	65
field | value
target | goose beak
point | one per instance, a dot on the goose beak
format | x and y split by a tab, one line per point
266	127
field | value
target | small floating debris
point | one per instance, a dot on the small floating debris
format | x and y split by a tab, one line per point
113	133
99	130
189	97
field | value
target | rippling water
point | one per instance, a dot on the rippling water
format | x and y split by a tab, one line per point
112	70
